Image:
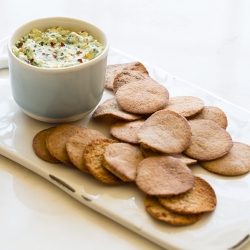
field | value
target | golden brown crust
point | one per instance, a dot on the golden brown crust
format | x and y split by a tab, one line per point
56	141
235	162
76	145
165	131
213	113
163	176
200	198
39	146
154	208
122	159
208	141
94	161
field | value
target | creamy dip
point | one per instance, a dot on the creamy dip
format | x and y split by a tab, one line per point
56	48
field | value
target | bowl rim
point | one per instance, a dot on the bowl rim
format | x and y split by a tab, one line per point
70	68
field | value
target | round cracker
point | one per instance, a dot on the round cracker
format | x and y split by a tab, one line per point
126	131
163	176
94	161
213	113
122	159
56	141
112	70
127	76
208	141
110	108
200	198
165	131
142	97
185	105
76	145
39	146
235	162
154	208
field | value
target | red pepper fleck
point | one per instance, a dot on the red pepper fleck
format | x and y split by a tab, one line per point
43	53
52	44
79	60
32	59
20	44
54	54
62	44
78	52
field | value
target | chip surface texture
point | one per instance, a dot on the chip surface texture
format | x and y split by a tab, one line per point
163	176
142	97
122	159
159	212
56	141
208	141
199	199
235	162
165	131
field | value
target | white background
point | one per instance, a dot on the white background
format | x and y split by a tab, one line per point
203	42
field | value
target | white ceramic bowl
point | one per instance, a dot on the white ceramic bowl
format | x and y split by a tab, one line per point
58	95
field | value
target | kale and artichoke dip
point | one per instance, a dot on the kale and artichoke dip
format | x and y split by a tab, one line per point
56	48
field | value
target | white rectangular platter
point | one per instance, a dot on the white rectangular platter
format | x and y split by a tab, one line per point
228	227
